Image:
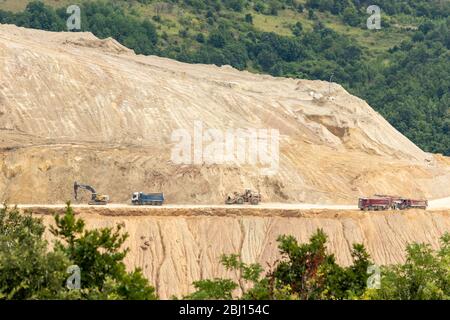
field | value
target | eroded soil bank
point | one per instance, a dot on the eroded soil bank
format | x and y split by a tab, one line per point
176	246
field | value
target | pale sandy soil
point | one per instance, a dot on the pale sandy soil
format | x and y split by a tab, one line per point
77	108
303	206
440	203
176	246
436	204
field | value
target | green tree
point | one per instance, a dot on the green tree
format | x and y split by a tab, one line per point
40	16
235	5
99	255
30	270
200	38
27	269
217	39
249	18
309	272
217	289
267	59
297	29
305	271
424	276
351	17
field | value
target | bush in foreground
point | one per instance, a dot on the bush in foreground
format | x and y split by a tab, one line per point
29	270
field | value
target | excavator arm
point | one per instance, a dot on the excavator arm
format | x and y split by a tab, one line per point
77	186
96	199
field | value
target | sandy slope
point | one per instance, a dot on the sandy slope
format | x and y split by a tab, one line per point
73	107
175	246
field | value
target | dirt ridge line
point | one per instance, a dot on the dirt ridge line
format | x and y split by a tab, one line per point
226	212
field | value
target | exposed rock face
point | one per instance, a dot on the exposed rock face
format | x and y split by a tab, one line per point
73	107
175	247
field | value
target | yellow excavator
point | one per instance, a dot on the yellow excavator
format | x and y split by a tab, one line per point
96	198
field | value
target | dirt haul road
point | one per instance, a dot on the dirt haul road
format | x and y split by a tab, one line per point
175	245
437	204
440	203
302	206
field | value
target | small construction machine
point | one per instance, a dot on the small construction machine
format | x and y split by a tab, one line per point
96	198
241	198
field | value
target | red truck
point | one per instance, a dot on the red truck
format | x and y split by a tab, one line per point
388	202
375	204
410	203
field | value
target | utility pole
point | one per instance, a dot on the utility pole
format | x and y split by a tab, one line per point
331	78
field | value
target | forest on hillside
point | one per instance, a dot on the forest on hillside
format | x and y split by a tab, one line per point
402	69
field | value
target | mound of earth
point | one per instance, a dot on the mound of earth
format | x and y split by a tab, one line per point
76	108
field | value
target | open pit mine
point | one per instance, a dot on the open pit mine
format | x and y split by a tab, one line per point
77	108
